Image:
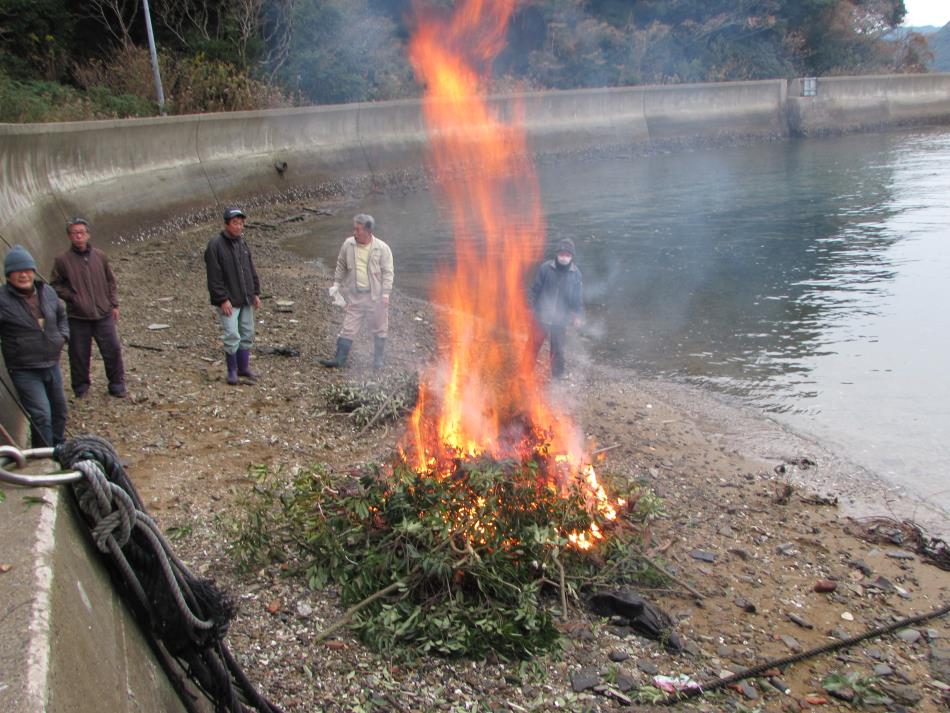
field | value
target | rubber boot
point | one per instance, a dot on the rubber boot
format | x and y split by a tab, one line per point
379	347
231	360
342	352
244	365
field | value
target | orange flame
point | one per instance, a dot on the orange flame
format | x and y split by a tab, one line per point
483	395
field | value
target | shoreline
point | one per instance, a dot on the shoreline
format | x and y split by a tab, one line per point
862	492
190	439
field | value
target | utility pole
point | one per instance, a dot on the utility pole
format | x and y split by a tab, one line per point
151	49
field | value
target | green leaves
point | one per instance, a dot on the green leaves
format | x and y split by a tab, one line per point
479	554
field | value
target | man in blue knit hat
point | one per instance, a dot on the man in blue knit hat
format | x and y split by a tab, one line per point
33	330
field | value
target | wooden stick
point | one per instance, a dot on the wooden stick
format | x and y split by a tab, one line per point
145	346
605	449
374	418
348	614
563	590
649	560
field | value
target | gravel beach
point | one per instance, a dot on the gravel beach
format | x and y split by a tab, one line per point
748	523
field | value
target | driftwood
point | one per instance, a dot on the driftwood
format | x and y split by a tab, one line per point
148	347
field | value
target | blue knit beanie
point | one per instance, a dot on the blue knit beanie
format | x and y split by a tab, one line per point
18	258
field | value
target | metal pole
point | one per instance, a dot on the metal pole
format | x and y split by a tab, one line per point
154	55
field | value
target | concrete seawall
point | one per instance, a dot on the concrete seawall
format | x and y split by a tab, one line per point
63	627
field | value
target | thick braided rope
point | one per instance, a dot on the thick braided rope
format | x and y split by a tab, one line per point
115	515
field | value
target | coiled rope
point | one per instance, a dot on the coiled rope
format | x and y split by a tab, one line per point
184	617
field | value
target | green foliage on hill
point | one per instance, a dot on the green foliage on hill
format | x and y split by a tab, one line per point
220	55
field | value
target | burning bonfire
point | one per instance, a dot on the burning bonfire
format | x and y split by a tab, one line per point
483	398
491	504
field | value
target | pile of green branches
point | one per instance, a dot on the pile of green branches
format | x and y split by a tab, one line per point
473	563
373	401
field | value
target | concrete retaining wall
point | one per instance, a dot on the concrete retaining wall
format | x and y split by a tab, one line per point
67	644
853	103
124	175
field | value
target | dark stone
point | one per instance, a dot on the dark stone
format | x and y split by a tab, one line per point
703	556
900	555
910	636
584	680
625	682
940	663
745	605
748	690
618	655
882	669
648	667
908	695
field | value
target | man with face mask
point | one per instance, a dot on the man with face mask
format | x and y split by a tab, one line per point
557	299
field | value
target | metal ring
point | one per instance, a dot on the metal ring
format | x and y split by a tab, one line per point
10	455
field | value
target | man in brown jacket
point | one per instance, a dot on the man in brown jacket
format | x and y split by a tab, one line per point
84	280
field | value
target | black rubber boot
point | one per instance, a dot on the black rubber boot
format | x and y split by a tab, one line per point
342	352
379	347
231	360
244	365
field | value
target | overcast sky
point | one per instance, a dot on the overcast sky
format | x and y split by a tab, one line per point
927	12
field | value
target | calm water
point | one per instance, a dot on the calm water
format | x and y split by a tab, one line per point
809	279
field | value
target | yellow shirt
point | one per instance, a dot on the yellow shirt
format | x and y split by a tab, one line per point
362	260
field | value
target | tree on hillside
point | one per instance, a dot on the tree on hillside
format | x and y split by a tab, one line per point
338	51
235	54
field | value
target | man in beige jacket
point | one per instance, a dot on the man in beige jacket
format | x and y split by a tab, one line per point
364	279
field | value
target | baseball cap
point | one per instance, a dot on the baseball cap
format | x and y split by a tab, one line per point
233	213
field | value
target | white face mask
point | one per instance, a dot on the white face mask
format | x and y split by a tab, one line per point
564	259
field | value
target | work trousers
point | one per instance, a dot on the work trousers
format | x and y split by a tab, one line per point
41	394
557	337
238	328
82	332
360	308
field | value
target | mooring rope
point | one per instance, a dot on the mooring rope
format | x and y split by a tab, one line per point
795	658
186	617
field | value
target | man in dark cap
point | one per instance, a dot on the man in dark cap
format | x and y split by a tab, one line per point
235	291
557	299
83	278
33	330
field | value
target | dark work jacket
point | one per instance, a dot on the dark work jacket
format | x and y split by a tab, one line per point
557	295
231	273
86	283
24	344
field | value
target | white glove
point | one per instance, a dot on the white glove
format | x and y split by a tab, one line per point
336	296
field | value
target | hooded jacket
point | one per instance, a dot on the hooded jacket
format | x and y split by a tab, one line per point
23	342
557	293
